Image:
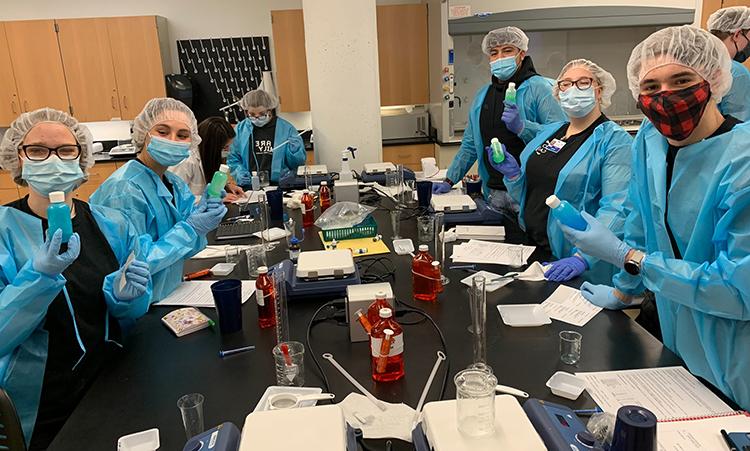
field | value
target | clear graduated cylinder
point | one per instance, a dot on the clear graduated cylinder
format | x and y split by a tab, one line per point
440	249
218	182
566	213
58	216
478	308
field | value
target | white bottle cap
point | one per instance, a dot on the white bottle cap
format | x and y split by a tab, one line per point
436	263
380	295
511	85
224	168
385	312
323	183
262	269
388	332
305	191
255	173
56	197
552	201
494	140
423	248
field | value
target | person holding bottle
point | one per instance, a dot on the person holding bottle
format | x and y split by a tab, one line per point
687	233
65	301
159	203
265	142
513	123
732	26
198	169
584	160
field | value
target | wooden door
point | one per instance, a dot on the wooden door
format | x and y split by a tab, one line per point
291	61
37	65
137	62
9	106
402	54
90	75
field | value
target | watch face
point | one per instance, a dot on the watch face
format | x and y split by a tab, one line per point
632	268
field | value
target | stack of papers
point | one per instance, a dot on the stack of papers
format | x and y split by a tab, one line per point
488	252
480	232
197	293
566	304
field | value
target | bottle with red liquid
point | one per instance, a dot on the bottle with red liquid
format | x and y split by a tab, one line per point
373	312
266	298
325	196
422	274
308	209
387	348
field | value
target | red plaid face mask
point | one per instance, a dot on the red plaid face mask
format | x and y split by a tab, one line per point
676	113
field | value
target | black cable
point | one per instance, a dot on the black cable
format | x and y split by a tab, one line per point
366	269
309	347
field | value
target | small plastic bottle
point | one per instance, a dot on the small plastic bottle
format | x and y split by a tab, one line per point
308	206
362	318
566	213
498	156
218	182
373	311
266	298
423	283
325	196
58	216
510	93
437	275
387	348
294	249
255	181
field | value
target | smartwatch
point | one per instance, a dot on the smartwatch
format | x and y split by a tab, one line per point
633	264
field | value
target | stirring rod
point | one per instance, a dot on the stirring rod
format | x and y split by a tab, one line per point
378	403
440	358
511	391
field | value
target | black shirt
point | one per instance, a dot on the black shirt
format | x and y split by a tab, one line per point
64	387
491	124
542	170
727	125
261	146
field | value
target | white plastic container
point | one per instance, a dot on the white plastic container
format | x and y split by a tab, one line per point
524	315
140	441
222	269
566	385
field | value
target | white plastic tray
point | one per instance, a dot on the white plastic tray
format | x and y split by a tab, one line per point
566	385
274	389
524	315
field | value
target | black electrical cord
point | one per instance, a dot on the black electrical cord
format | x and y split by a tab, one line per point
367	273
310	325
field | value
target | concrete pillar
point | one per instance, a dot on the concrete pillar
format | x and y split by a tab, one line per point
341	44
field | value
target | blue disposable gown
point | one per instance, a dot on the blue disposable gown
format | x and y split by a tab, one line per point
25	295
536	106
703	298
737	101
138	193
595	179
285	159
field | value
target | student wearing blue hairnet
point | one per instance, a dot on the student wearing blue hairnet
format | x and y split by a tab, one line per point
687	235
63	306
732	26
158	202
264	142
514	124
584	160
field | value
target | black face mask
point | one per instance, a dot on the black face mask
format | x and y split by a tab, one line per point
743	54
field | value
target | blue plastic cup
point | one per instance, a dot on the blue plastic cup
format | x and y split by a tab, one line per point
228	301
424	193
276	203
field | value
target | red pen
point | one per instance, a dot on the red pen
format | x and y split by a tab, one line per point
198	274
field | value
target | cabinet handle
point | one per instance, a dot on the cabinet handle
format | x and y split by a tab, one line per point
13	106
125	102
25	105
114	107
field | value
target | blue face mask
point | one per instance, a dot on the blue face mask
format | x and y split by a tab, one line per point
577	103
260	121
504	68
167	152
52	174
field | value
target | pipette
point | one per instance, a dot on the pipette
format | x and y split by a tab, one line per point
378	403
440	358
291	368
511	391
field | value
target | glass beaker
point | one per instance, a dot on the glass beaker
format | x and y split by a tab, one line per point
515	256
410	193
475	402
256	257
570	347
191	408
425	228
289	359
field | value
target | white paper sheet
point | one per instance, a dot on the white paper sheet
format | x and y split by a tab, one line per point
197	293
396	421
699	435
488	276
670	392
566	304
488	252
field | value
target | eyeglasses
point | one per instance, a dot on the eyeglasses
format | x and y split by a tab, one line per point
582	83
36	152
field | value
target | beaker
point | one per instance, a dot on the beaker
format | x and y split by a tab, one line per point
475	402
191	408
289	360
425	228
478	308
570	347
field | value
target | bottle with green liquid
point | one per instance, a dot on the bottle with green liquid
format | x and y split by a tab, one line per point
498	156
218	182
510	93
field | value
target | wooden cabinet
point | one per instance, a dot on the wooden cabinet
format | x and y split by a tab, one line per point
9	105
137	61
410	155
37	66
291	62
402	54
90	75
8	189
97	175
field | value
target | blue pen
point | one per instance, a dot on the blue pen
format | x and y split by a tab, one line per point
587	412
235	351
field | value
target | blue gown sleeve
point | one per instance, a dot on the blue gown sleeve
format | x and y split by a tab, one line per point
465	157
545	111
634	236
295	151
515	186
234	160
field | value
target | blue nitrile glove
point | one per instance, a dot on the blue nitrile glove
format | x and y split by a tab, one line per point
602	296
565	269
509	167
206	217
512	118
440	187
597	241
137	276
48	259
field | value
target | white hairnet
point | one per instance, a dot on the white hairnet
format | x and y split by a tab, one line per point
601	77
730	19
259	98
687	46
164	109
14	136
505	36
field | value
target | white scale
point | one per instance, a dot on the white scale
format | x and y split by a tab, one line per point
329	263
122	150
453	203
313	169
379	168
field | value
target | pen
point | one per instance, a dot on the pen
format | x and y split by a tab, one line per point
198	274
730	443
587	412
212	324
235	351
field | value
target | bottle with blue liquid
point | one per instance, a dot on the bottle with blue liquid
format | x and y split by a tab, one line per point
58	216
566	213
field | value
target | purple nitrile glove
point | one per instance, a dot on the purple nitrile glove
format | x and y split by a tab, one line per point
512	118
509	167
566	268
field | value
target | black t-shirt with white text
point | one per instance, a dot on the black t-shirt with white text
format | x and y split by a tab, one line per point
261	146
